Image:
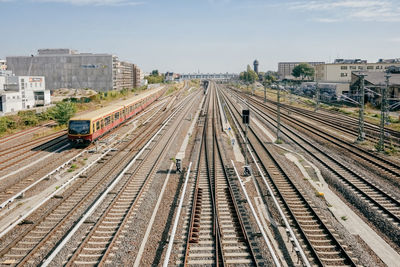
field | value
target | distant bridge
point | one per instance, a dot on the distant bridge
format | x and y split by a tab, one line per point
209	76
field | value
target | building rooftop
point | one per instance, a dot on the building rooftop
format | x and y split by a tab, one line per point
349	61
378	78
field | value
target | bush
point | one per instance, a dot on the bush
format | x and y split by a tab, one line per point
3	125
62	112
30	120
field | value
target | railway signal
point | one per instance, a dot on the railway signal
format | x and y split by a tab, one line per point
246	121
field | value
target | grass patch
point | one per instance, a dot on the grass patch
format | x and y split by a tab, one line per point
278	141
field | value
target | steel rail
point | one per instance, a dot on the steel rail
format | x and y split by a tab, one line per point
69	193
61	243
392	167
349	171
305	237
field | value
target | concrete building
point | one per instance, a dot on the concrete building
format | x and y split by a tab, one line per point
138	76
340	71
170	76
3	64
22	92
66	68
375	81
285	69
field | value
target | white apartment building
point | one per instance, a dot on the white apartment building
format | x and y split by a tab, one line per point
341	72
22	92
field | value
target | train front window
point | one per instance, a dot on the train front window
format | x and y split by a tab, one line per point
79	127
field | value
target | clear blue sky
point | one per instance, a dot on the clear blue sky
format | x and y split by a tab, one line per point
205	35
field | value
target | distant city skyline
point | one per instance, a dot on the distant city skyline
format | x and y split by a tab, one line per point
206	36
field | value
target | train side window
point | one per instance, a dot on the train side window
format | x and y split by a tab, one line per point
93	127
102	123
116	115
107	120
98	125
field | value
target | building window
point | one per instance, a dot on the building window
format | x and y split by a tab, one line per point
343	74
378	67
360	67
343	67
370	67
352	67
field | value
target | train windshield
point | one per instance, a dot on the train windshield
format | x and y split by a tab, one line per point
79	127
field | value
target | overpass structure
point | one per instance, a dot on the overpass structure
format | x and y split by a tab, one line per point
210	76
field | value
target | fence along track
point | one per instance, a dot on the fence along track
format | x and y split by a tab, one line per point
319	242
48	228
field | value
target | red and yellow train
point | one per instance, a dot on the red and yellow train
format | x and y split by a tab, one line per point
88	127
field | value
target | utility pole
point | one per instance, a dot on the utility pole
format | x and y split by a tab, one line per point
246	121
316	96
381	144
265	94
278	110
361	134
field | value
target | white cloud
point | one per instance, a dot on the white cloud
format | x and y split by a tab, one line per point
362	10
94	2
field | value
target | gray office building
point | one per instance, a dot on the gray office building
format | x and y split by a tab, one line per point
65	68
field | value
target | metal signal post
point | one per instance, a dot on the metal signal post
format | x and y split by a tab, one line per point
317	96
385	89
278	120
361	133
246	121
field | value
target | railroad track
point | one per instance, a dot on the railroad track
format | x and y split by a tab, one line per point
39	235
97	246
318	239
375	162
39	238
215	234
31	144
23	133
20	157
371	195
19	186
343	123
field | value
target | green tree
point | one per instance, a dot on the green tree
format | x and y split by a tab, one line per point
154	79
269	78
63	111
249	75
303	70
155	73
